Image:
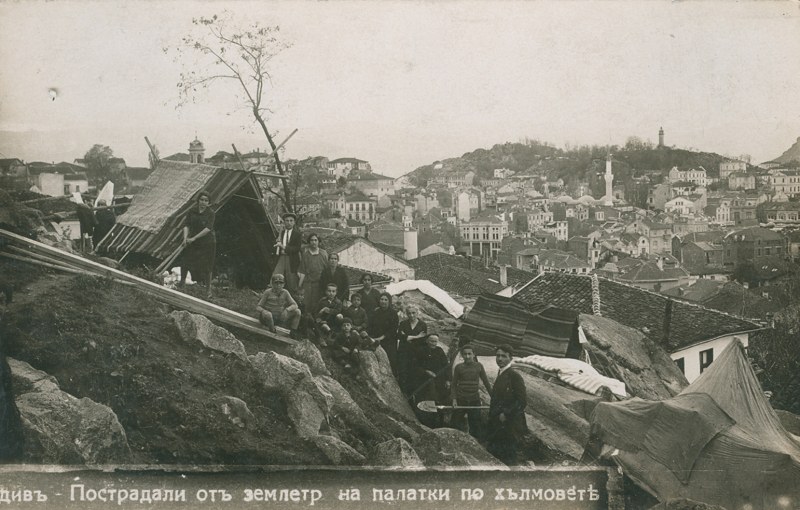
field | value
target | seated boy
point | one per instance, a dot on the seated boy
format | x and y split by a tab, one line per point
329	313
346	344
356	314
276	307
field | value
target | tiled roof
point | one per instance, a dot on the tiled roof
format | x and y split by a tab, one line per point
179	156
371	177
632	306
561	260
354	275
452	274
753	233
649	271
347	160
698	291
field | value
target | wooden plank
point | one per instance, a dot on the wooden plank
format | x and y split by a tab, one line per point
173	297
36	262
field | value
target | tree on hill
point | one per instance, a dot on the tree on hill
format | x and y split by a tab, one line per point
97	162
776	357
225	52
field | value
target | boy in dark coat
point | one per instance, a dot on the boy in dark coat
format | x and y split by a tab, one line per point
507	409
328	314
345	346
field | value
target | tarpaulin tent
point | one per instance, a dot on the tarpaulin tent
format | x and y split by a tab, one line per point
152	226
718	441
529	329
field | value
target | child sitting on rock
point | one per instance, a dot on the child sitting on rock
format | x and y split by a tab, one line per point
356	313
329	314
345	346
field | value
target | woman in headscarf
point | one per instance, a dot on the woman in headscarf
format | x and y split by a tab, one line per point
383	327
313	262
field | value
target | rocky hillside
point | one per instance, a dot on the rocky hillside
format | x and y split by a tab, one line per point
791	154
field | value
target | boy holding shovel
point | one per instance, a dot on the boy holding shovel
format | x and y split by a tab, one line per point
465	392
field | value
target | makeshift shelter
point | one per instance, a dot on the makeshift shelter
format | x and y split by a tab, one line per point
528	328
718	441
151	229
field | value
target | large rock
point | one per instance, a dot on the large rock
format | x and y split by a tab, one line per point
236	410
346	409
61	429
26	379
308	353
451	447
396	453
382	384
397	428
308	404
627	355
197	328
337	451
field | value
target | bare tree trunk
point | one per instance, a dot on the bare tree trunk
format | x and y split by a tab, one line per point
287	193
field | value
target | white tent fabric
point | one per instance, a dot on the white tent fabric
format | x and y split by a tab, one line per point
429	289
107	194
576	373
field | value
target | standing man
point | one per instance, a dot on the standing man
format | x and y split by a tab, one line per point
287	248
507	409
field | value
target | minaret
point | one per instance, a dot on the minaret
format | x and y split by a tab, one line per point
661	137
608	199
197	151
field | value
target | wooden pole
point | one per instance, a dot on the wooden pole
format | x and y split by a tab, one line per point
152	150
238	157
29	260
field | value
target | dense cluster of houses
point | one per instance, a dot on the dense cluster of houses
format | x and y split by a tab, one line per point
498	233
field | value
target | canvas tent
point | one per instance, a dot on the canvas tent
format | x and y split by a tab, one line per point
529	328
152	226
718	441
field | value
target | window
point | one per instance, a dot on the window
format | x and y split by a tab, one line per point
706	357
680	364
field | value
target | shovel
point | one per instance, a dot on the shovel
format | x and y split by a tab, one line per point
429	406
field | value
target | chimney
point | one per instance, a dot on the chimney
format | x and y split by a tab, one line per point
504	275
660	263
410	243
681	291
667	324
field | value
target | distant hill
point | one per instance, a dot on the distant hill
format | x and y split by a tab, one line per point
792	154
573	164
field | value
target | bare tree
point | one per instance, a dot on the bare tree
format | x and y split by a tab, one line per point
240	55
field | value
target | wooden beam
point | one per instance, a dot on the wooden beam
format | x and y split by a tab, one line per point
156	159
173	297
30	260
238	157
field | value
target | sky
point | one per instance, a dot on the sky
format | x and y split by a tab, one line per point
403	84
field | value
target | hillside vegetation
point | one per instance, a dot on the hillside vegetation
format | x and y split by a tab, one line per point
571	164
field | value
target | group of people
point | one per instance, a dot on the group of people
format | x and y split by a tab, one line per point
309	294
